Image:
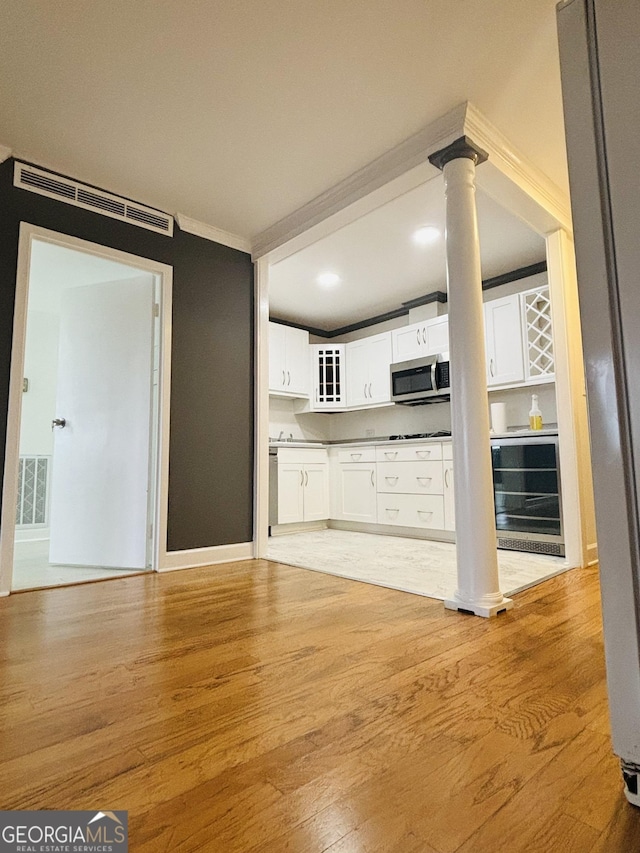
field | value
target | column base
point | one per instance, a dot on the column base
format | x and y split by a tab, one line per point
475	609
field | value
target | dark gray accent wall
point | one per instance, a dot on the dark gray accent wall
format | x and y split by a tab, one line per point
211	445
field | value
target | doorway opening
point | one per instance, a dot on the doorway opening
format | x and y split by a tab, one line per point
83	474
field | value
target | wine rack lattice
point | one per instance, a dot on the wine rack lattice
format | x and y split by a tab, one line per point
539	333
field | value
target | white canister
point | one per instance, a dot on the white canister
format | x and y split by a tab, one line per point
499	418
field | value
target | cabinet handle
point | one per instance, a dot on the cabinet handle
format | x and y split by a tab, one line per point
284	378
372	480
446	477
418	336
370	394
388	509
424	512
389	479
422	454
424	335
356	456
306	478
426	479
289	378
491	367
365	389
301	477
391	454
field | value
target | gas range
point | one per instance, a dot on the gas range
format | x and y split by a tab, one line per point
443	433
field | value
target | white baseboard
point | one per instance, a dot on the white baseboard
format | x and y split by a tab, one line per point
198	557
32	534
297	527
394	530
592	554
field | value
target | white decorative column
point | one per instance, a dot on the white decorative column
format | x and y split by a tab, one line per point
478	589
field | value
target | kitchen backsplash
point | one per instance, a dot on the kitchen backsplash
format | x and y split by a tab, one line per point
399	420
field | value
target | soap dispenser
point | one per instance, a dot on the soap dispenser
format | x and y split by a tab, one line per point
535	415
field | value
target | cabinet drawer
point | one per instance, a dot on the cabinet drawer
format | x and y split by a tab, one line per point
409	452
417	478
301	455
357	454
411	510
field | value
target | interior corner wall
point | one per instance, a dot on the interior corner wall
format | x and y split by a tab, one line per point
212	417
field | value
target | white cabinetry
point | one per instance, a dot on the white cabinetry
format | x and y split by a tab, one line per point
410	486
519	339
328	377
447	482
288	361
368	362
503	336
302	485
538	335
354	489
431	337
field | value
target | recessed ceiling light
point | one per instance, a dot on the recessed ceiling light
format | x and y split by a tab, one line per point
328	279
426	235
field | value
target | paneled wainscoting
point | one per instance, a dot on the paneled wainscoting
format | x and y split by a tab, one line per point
259	708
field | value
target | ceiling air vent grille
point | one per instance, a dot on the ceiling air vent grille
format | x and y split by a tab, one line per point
45	183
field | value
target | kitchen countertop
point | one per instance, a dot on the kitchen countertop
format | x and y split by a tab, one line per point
381	440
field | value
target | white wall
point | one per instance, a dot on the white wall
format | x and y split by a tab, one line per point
283	419
41	367
391	420
518	403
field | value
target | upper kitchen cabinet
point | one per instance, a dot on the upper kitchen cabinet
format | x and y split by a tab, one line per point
328	379
519	339
538	335
368	362
288	361
430	337
503	336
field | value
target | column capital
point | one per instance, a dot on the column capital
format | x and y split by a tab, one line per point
461	147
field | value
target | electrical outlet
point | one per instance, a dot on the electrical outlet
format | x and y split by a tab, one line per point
369	433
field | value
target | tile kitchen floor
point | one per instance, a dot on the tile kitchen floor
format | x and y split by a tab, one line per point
32	570
419	566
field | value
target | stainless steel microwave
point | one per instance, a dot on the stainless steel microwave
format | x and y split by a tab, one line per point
421	380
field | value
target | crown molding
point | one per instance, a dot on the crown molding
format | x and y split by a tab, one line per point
210	232
5	153
405	156
508	176
516	167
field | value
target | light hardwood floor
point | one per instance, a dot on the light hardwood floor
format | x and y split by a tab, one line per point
266	709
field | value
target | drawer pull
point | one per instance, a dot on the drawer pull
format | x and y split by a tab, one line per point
389	479
423	453
392	510
391	454
424	512
426	479
356	456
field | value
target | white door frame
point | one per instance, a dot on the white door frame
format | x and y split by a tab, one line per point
521	188
29	233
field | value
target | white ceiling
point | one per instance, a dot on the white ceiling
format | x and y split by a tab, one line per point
57	268
380	265
237	112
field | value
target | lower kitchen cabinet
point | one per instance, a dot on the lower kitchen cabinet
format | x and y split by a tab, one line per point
447	484
302	486
411	510
354	485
